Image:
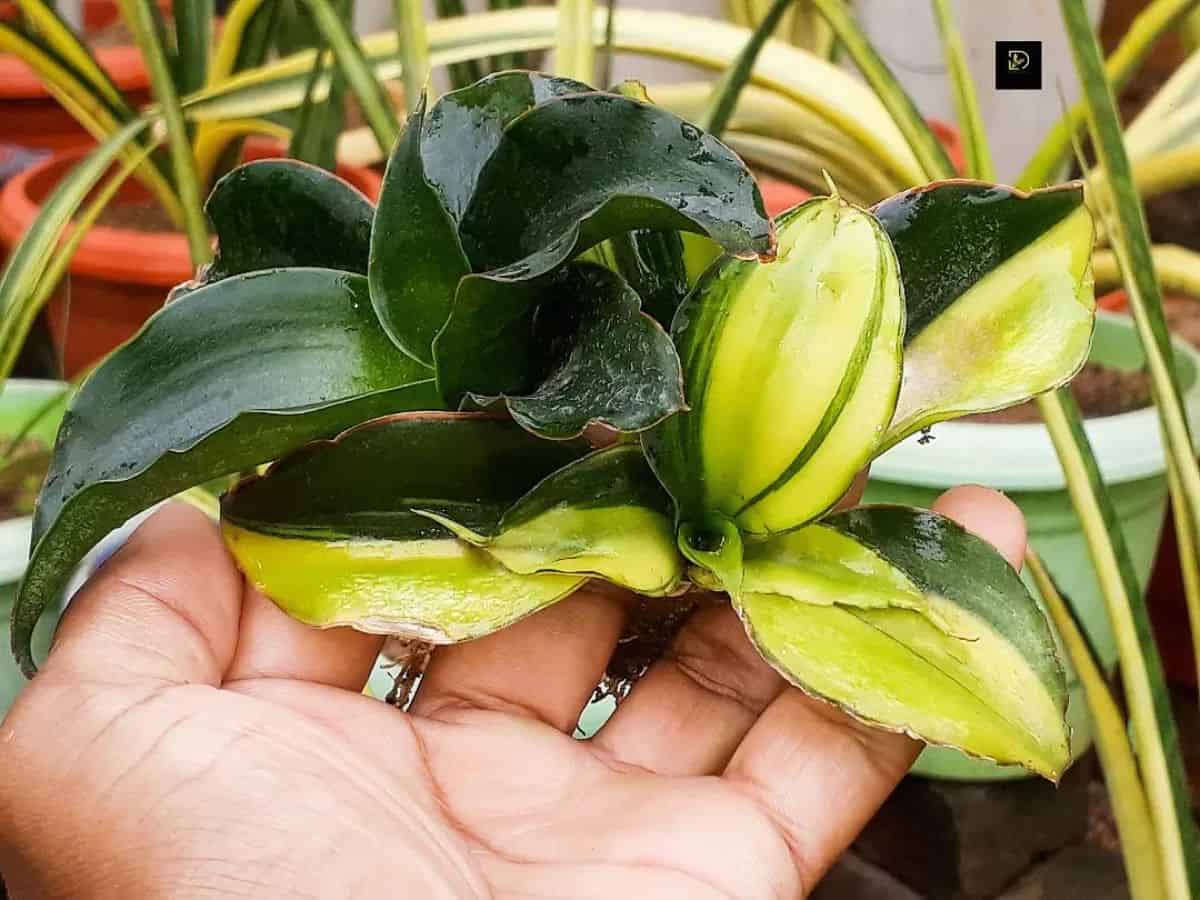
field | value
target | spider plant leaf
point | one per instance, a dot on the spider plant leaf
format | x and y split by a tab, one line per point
1155	731
319	123
1007	315
966	102
277	213
145	23
21	278
58	39
791	373
1127	796
909	622
921	140
340	533
368	90
516	175
837	98
600	358
462	74
87	106
231	375
604	515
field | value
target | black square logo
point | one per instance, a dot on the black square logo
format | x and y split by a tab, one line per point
1018	65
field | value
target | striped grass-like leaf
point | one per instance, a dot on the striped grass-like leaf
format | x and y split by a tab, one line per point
20	316
368	90
85	106
1155	733
141	17
30	259
1166	786
193	39
409	18
966	104
729	86
1157	19
57	37
574	51
826	90
921	140
1143	862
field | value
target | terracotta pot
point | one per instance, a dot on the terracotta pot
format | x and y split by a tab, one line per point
119	276
951	140
30	117
1164	594
779	195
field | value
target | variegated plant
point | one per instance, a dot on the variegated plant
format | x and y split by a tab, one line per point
422	373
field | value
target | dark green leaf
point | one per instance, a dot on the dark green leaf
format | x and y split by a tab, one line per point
229	376
603	359
986	224
278	213
520	173
366	483
653	264
416	260
416	255
998	288
578	168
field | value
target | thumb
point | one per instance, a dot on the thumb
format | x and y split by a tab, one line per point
165	608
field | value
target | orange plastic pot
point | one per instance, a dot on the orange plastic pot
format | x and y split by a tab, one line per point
779	196
119	276
30	117
1164	592
951	140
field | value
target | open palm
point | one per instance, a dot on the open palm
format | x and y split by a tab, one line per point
186	739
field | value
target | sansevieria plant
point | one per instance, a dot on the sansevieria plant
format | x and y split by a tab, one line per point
420	376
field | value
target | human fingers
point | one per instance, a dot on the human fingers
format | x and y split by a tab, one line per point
165	607
271	644
545	666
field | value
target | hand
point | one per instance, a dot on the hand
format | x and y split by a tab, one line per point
186	739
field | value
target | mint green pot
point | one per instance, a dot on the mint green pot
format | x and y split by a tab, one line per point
1020	460
20	401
